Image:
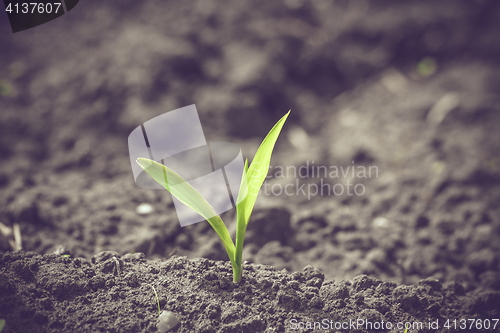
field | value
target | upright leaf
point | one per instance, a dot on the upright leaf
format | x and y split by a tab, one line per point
257	172
252	180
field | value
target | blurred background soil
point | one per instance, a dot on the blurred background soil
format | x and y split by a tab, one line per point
410	87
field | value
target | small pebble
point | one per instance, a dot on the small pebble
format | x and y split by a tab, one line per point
381	222
166	321
144	208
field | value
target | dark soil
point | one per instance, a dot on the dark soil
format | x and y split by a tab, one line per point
115	294
409	87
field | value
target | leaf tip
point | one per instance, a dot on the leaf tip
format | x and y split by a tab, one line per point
283	119
143	162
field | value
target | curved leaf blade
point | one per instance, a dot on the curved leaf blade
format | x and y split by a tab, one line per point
179	187
189	196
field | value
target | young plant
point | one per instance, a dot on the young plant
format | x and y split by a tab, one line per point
251	181
157	300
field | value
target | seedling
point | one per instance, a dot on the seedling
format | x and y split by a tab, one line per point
157	300
251	181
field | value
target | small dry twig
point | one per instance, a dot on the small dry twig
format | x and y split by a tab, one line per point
17	243
17	237
172	253
5	230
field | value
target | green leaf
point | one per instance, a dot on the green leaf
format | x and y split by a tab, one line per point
2	324
179	188
189	196
243	185
252	180
257	172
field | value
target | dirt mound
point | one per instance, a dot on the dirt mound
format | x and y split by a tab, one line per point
113	293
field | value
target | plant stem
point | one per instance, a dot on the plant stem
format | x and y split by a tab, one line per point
240	238
157	300
237	273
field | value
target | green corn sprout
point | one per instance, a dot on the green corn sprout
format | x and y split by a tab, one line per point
157	300
252	180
